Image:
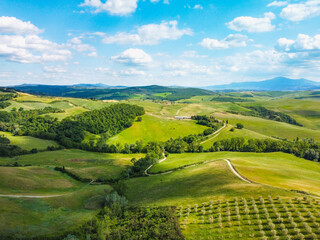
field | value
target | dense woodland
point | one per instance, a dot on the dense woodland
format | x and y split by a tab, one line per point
70	132
5	97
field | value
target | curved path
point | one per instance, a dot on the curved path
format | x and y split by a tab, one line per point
215	134
32	196
196	164
235	172
42	196
160	161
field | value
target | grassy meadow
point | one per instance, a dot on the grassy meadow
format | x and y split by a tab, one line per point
157	128
82	163
202	179
29	143
275	169
201	183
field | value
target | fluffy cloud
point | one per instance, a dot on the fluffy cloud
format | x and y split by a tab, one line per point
133	56
19	42
113	7
14	25
132	72
193	54
252	24
77	45
302	43
184	68
54	69
31	49
233	40
278	4
198	6
300	11
107	71
149	34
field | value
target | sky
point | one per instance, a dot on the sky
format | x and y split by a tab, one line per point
163	42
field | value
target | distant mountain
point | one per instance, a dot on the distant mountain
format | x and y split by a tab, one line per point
275	84
97	85
104	92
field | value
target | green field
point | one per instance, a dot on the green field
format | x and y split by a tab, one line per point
29	143
51	217
270	128
84	164
35	180
194	185
290	172
156	128
227	134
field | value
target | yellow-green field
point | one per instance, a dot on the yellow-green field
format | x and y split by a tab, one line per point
14	180
157	128
82	163
29	143
275	169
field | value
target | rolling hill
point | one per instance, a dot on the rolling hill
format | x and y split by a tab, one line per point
104	92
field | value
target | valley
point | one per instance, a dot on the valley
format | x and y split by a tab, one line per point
228	172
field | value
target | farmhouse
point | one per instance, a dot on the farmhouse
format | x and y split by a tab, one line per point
182	117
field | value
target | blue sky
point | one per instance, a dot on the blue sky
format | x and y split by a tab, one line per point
165	42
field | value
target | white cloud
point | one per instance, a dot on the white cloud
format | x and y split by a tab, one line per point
252	24
233	40
302	43
107	71
93	54
54	69
77	45
133	56
20	42
150	34
184	68
113	7
277	4
132	72
14	25
285	44
31	49
193	54
301	11
75	40
198	6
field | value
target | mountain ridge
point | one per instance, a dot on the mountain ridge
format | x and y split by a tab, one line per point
274	84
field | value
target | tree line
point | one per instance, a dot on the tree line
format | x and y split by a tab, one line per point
307	148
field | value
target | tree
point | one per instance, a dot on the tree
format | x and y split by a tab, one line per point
4	140
133	160
240	125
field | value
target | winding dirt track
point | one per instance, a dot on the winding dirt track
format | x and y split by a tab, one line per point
41	196
215	134
31	196
193	165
